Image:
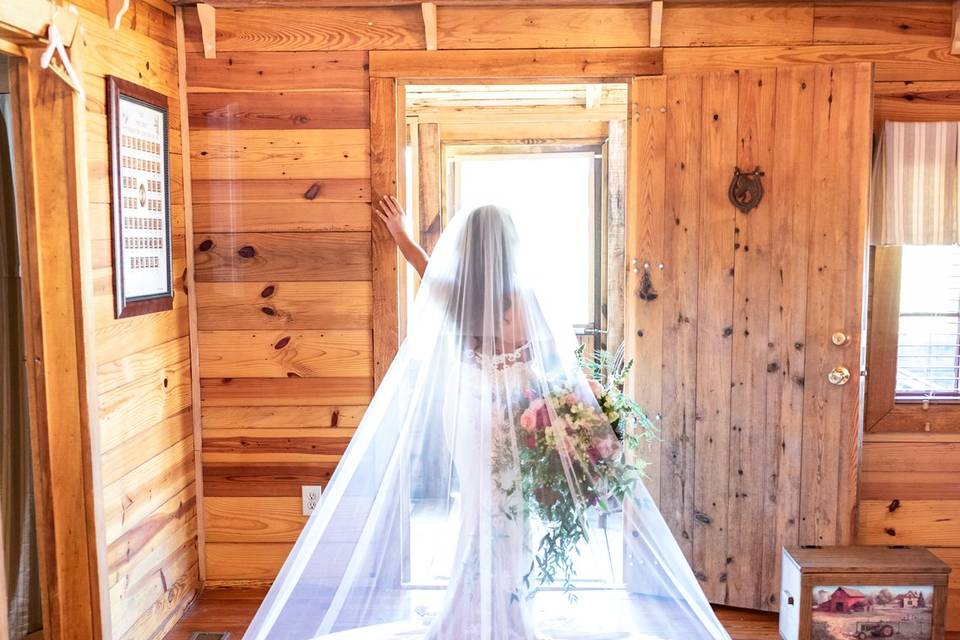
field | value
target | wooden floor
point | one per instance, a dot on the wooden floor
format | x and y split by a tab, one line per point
231	610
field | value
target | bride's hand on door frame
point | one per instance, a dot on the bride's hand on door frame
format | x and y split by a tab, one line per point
393	216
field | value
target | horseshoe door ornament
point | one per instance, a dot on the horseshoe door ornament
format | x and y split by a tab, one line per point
746	189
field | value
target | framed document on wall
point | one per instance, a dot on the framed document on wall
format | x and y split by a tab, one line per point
137	124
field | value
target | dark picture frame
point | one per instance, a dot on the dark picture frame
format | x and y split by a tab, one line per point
142	248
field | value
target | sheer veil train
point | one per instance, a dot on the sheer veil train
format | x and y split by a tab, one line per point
480	498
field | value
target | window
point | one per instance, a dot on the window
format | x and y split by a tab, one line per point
913	344
928	338
554	200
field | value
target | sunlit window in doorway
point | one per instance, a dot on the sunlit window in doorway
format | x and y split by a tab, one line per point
554	201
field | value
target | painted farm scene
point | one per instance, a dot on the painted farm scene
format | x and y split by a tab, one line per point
843	613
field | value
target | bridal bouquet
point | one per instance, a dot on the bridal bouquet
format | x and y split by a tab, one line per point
574	455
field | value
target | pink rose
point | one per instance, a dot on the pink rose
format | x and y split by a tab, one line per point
571	399
606	447
596	387
528	420
539	408
530	394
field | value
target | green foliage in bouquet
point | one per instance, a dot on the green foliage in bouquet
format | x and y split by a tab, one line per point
576	453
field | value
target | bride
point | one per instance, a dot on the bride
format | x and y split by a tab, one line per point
485	494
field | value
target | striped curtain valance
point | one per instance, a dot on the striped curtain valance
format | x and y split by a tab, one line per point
915	182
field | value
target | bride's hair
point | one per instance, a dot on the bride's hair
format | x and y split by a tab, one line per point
485	273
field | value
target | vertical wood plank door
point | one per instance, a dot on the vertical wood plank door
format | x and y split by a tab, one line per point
729	315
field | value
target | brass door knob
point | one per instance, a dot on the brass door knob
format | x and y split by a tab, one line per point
839	375
840	338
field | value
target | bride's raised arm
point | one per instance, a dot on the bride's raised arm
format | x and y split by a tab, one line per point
393	217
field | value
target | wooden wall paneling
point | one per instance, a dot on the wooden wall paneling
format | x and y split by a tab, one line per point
246	563
894	62
134	55
714	335
119	339
910	466
254	257
646	140
750	369
881	21
142	550
278	71
262	479
59	348
287	191
835	280
307	353
910	484
542	27
266	392
257	519
280	110
542	64
384	110
259	154
680	313
932	523
134	497
429	174
286	305
139	555
261	29
282	417
272	216
128	455
143	403
916	101
718	23
790	203
141	364
190	287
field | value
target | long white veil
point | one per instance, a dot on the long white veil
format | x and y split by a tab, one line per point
485	495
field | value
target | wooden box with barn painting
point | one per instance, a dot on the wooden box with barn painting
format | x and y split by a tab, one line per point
842	593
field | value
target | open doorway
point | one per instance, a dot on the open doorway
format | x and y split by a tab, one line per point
551	153
555	156
20	584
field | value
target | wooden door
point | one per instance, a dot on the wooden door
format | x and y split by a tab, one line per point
729	315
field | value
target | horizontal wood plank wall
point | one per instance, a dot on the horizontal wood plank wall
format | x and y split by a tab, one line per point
280	146
281	79
143	363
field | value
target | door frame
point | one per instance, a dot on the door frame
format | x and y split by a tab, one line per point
391	71
55	254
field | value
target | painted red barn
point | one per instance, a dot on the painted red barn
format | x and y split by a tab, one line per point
845	600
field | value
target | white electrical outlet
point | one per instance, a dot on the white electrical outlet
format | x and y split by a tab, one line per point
311	496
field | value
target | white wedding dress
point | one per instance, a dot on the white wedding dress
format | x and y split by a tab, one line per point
432	527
